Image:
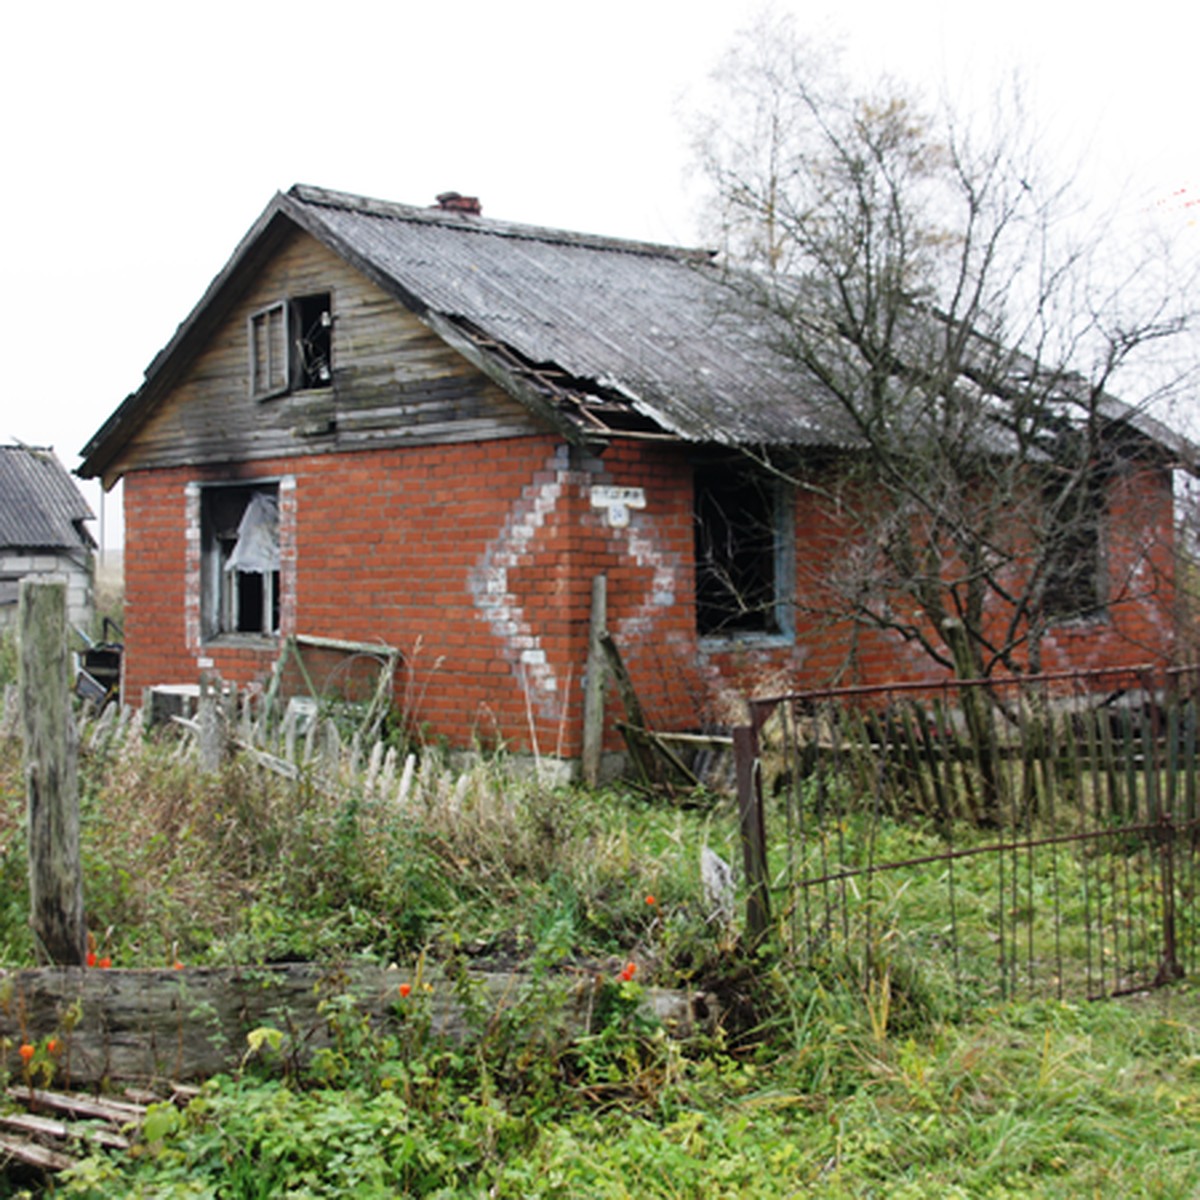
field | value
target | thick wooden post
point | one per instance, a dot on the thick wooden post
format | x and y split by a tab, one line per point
51	744
593	695
754	833
211	720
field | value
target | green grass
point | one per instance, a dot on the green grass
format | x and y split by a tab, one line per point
1028	1100
812	1084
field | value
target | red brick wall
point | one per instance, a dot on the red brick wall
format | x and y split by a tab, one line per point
476	560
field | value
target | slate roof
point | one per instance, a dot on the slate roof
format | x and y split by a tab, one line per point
600	336
40	506
651	326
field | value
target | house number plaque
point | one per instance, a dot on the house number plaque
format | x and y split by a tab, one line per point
618	501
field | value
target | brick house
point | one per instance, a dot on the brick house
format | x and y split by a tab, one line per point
421	427
43	531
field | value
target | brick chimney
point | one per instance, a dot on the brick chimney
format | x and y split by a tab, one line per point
455	202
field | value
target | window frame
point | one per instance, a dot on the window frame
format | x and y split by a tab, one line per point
775	623
264	352
1065	581
221	591
277	363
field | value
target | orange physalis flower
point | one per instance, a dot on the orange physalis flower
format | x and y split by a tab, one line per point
178	965
105	963
26	1052
52	1046
91	958
628	973
405	988
651	900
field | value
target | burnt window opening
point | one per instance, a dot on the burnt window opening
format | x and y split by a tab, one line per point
239	546
291	346
1073	554
742	548
313	341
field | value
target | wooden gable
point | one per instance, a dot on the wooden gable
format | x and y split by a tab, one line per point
393	380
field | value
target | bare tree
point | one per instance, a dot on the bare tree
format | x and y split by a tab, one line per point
960	332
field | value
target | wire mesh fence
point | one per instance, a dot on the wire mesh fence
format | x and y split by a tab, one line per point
1025	836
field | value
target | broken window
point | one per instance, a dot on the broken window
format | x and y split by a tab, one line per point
1073	553
239	544
743	549
291	346
312	342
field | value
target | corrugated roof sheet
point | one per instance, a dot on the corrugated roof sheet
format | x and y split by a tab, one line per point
652	323
40	506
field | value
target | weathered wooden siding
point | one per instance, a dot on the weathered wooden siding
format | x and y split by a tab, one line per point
395	382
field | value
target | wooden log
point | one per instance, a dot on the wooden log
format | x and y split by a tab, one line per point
51	787
145	1025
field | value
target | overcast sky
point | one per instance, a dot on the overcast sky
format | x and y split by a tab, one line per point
143	139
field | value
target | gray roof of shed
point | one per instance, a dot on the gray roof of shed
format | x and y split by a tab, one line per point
40	506
600	336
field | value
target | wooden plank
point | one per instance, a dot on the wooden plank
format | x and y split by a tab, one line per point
381	649
64	1131
96	1108
31	1154
616	665
703	741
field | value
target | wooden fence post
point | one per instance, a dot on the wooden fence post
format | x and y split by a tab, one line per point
754	834
211	719
593	696
51	788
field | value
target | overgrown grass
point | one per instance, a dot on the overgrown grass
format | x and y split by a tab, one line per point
1026	1100
811	1084
243	866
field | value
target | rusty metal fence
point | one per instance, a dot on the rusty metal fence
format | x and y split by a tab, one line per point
1030	836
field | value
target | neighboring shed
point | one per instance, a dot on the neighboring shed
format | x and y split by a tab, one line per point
42	530
432	430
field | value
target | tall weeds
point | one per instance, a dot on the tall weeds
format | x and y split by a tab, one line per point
244	864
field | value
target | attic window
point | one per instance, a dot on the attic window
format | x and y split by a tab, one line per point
742	522
291	346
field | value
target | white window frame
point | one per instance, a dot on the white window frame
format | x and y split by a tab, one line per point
221	589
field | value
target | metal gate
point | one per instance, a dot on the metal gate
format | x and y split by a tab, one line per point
1027	836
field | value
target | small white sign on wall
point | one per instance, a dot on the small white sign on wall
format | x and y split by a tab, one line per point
618	501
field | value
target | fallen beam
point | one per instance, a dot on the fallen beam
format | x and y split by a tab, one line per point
146	1025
